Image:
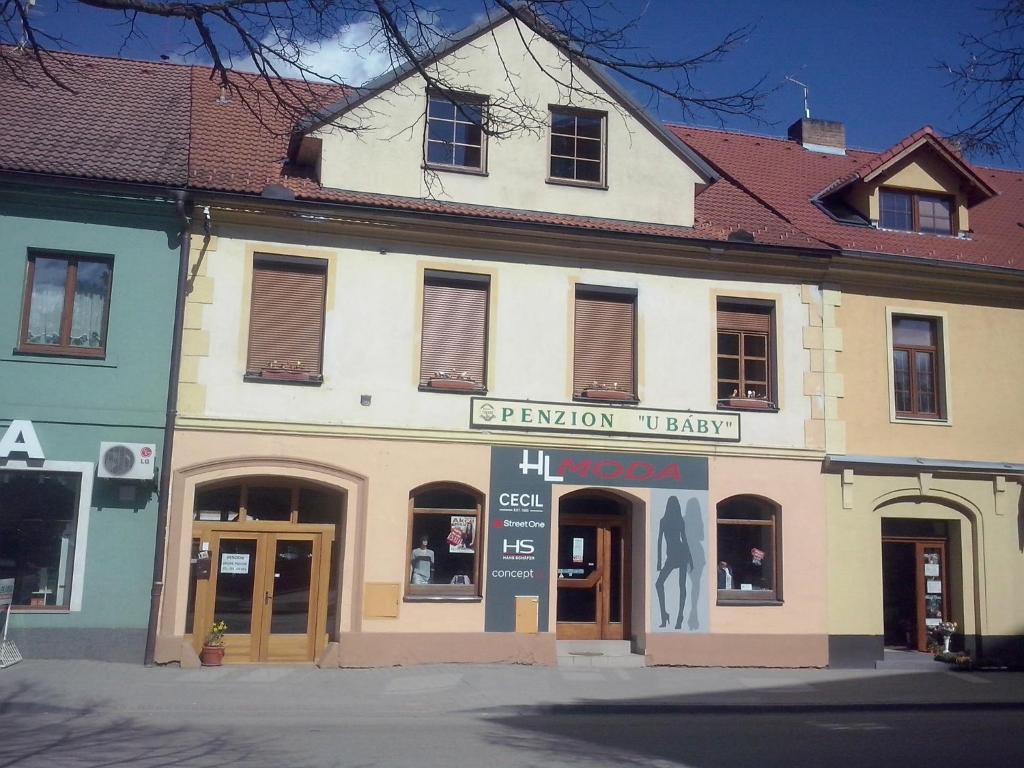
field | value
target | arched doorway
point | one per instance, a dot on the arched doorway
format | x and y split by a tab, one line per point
594	567
265	554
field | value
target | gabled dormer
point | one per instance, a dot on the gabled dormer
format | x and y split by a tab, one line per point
519	126
921	185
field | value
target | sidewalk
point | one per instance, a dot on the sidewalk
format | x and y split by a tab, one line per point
301	691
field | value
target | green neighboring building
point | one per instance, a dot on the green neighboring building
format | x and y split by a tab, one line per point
90	237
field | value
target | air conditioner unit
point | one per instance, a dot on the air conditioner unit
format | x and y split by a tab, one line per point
126	461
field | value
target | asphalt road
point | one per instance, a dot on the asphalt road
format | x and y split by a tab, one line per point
454	717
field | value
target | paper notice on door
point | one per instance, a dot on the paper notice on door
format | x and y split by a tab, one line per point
934	588
577	550
931	569
234	563
932	622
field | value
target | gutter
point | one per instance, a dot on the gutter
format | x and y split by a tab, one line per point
156	593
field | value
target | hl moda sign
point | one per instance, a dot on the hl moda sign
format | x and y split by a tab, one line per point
531	416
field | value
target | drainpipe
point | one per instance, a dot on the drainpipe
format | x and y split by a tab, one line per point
182	208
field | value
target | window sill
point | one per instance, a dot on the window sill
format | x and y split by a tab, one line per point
257	379
932	422
58	354
757	601
747	404
49	359
27	609
455	169
442	599
605	400
455	388
603	186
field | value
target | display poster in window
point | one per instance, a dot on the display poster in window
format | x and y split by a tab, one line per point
6	592
460	539
520	535
234	563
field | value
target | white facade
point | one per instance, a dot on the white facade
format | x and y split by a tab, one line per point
646	181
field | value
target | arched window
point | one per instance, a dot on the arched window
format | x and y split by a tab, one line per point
749	549
445	540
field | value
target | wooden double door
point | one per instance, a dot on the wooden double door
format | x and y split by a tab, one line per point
270	585
593	577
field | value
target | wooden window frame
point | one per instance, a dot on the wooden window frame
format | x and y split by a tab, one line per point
286	376
937	365
440	592
603	395
294	486
554	109
65	348
458	99
915	210
455	385
740	401
738	596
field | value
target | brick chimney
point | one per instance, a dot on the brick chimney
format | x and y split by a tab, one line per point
819	135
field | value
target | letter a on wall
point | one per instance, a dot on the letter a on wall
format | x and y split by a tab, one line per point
20	438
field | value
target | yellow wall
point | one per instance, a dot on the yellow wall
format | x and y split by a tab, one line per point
989	598
986	373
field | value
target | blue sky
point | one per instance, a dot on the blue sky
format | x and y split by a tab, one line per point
870	64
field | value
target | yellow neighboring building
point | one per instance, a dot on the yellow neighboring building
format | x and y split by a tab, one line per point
921	376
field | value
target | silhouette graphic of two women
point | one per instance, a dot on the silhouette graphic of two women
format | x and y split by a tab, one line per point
684	552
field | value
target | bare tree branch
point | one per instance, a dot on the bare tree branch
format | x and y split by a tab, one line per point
273	39
988	80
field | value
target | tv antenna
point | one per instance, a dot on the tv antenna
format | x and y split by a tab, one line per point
807	90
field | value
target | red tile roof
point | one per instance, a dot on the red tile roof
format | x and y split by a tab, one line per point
787	178
168	124
114	119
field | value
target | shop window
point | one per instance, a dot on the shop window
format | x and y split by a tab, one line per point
917	367
38	524
577	147
267	499
746	355
455	133
748	549
445	541
916	212
67	301
453	349
604	344
286	320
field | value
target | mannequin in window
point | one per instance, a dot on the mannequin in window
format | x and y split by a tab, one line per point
422	563
725	578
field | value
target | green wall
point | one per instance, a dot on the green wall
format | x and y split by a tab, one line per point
75	404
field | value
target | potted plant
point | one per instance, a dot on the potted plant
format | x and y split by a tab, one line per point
289	370
751	400
606	392
462	382
212	654
944	631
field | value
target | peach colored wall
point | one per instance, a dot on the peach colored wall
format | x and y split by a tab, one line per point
377	476
799	489
986	364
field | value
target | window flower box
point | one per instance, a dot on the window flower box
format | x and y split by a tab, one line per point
454	385
752	403
284	374
607	394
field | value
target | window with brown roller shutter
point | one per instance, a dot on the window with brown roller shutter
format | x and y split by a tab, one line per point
746	355
286	319
604	359
453	352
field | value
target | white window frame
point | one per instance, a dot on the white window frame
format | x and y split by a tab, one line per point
87	470
947	390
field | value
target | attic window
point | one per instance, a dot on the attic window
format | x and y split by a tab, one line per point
455	136
916	212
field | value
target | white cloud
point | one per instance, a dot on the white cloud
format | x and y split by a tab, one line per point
354	54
